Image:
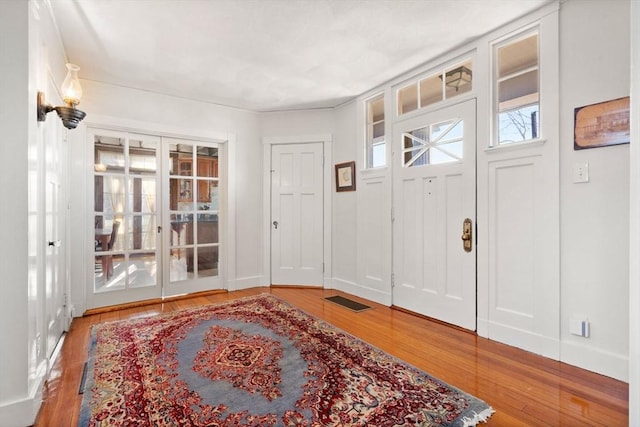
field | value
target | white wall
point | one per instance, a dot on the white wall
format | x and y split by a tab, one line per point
345	206
594	67
14	63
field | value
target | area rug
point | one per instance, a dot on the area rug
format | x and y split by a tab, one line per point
257	361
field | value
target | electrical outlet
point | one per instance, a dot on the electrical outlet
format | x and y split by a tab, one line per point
581	172
579	327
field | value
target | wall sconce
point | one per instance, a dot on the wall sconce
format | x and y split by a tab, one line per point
71	94
458	77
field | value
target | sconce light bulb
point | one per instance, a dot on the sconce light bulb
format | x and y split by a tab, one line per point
71	89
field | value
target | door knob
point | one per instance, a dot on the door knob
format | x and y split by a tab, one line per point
275	224
467	235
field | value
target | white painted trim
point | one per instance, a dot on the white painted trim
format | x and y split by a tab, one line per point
353	288
596	360
327	144
526	340
248	282
23	412
634	232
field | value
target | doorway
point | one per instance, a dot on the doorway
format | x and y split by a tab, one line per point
434	204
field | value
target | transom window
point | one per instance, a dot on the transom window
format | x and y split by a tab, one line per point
434	144
448	83
517	89
376	146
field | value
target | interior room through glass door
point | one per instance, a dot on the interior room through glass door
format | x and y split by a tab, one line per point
126	200
192	229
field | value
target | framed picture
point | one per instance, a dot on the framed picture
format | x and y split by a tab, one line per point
602	124
346	176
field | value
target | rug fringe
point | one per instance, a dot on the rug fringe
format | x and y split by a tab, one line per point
481	417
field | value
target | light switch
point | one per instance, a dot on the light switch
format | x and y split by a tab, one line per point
581	172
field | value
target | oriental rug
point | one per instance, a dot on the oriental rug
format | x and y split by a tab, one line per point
257	361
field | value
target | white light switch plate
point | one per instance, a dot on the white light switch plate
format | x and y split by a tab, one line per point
581	172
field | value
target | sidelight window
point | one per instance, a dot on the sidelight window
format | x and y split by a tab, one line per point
517	94
376	146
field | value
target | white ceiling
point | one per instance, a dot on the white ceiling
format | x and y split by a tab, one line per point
267	55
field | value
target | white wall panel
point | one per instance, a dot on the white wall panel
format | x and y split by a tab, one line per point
512	226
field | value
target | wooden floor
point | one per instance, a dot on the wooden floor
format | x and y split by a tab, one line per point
524	389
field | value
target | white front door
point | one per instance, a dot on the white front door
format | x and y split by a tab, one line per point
434	192
297	214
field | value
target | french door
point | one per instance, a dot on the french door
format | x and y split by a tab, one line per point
434	201
155	224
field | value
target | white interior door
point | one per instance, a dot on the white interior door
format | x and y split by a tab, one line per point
297	214
434	192
55	223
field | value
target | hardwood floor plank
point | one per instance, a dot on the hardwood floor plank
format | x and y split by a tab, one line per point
525	389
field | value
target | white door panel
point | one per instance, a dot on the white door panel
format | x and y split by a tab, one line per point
297	214
434	191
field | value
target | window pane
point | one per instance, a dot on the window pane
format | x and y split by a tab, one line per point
518	90
142	269
142	157
181	229
375	132
207	228
181	264
517	56
207	261
142	194
430	90
408	99
519	124
438	143
109	194
378	155
141	232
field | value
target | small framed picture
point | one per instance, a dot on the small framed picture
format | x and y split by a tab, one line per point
346	176
602	124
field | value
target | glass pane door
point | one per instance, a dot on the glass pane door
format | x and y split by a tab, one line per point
194	216
126	203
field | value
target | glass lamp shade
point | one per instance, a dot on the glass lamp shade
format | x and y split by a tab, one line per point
71	89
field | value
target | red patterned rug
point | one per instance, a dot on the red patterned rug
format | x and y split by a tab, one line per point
257	361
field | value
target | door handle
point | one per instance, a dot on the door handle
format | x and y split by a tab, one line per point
467	235
55	243
275	224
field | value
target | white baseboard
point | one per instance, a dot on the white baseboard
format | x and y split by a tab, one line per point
525	340
23	412
361	291
248	282
596	360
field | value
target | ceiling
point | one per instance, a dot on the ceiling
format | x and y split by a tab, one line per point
268	55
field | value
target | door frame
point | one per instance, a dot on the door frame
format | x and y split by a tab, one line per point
327	145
